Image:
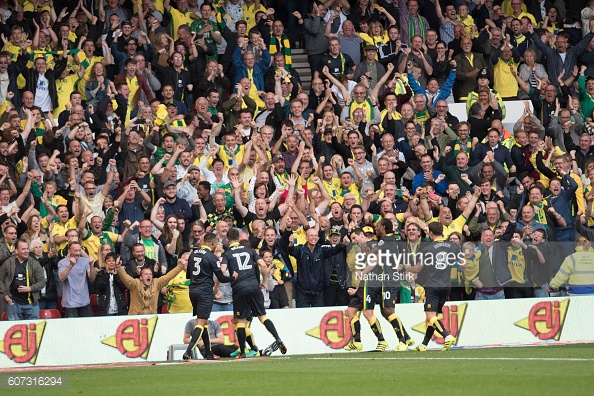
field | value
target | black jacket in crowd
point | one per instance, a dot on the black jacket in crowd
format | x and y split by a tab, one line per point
104	293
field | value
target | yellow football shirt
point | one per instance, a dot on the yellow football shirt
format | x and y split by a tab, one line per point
249	14
60	230
516	263
64	88
179	18
227	157
93	242
457	225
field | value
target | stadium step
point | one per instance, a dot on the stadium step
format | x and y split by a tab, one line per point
301	64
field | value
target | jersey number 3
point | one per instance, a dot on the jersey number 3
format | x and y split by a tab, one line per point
243	261
197	261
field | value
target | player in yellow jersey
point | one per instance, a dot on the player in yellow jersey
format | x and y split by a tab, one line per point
232	152
327	173
520	285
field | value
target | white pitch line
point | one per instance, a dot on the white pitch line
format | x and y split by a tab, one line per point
459	358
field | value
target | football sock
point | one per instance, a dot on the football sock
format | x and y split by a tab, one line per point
428	334
438	326
406	336
196	335
356	329
249	337
271	329
206	340
397	325
376	328
241	337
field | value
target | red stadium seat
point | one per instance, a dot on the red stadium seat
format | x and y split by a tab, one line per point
49	314
164	309
4	316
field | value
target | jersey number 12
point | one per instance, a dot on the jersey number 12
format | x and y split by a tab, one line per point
243	260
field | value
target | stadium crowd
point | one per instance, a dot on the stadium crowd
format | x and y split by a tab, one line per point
131	129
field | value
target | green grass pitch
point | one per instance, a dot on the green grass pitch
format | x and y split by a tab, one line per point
567	370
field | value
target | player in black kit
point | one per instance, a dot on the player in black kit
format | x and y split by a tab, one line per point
248	300
202	264
438	257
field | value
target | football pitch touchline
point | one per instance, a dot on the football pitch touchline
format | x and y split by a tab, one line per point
458	358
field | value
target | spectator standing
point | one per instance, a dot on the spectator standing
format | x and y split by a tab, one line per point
316	43
21	282
111	300
74	272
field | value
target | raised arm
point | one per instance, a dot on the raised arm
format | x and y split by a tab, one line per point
472	200
112	170
321	208
154	211
237	185
246	156
375	93
345	94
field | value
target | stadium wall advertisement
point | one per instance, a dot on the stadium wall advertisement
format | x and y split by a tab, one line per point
127	339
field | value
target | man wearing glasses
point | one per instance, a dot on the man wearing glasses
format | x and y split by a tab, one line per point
197	235
371	113
7	244
442	111
94	201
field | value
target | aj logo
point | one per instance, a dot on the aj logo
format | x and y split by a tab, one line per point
334	330
133	337
452	319
545	320
21	342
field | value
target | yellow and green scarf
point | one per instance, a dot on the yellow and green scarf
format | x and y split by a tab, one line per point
411	27
422	116
275	46
458	147
365	105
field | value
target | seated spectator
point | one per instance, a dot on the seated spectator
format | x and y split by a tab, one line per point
217	339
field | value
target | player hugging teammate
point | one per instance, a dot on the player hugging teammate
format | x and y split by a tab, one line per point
247	296
373	283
